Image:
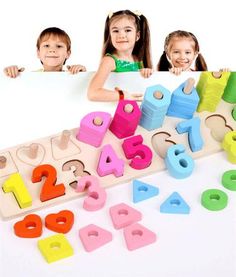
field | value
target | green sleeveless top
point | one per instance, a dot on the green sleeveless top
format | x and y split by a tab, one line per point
125	66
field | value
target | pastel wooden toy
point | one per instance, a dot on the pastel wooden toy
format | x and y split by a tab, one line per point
64	140
50	189
229	180
16	185
229	145
79	159
210	89
30	227
3	161
33	150
109	163
175	204
214	199
60	222
96	195
193	128
93	127
94	237
154	107
179	164
184	100
126	119
140	154
143	191
137	236
55	248
123	215
229	91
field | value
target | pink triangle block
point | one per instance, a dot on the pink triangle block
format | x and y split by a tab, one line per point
137	236
94	237
123	215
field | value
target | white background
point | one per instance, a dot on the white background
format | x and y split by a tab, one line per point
201	244
22	21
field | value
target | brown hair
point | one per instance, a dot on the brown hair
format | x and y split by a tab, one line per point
55	32
164	65
142	46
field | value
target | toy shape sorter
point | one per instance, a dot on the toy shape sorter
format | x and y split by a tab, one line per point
115	148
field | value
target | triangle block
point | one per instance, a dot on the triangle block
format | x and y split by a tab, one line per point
143	191
123	215
94	237
175	204
137	236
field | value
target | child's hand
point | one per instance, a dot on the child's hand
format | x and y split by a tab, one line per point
133	96
176	70
13	71
74	69
225	70
146	72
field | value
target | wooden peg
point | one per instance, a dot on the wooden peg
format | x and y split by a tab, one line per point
3	162
158	94
217	74
189	86
97	121
128	108
64	140
33	150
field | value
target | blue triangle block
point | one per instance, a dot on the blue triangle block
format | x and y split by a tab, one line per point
143	191
175	204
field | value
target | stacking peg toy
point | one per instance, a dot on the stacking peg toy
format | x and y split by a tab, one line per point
210	89
93	128
126	119
184	100
154	107
230	91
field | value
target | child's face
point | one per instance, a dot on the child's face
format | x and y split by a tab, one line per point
53	53
123	34
181	52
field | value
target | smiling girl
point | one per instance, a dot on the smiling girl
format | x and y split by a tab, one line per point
126	48
181	53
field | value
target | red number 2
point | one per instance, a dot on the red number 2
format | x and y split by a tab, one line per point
49	190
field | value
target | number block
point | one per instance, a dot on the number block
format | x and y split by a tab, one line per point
16	185
179	164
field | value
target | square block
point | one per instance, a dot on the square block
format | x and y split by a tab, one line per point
55	248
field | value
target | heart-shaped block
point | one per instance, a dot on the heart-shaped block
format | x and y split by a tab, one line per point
30	227
60	222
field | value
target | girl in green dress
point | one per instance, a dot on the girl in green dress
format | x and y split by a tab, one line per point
126	48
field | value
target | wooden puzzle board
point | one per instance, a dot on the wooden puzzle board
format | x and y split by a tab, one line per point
84	154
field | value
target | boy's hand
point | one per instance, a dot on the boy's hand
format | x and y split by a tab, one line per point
74	69
176	70
146	72
13	71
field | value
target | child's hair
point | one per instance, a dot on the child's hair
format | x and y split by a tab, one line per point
142	46
45	34
164	65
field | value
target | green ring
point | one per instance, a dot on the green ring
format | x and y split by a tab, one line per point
214	199
229	180
234	113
